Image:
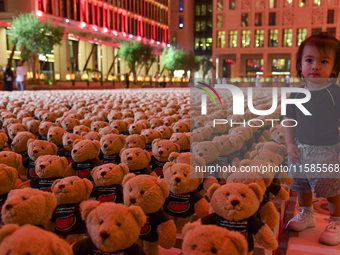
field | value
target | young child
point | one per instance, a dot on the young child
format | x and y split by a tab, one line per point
314	142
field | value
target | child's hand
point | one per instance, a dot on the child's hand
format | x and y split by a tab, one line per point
293	152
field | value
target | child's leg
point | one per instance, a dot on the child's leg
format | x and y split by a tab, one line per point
334	206
305	199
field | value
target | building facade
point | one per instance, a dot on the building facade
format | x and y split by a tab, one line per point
94	30
261	37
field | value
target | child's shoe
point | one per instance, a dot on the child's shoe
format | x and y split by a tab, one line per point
331	235
303	220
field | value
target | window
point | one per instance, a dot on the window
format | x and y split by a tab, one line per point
232	4
245	39
203	25
272	19
331	30
203	45
258	19
273	38
220	5
254	66
219	22
302	3
197	26
272	4
316	2
180	22
287	37
180	5
330	16
209	43
301	35
281	65
232	38
203	10
220	39
244	19
316	31
197	43
198	10
259	38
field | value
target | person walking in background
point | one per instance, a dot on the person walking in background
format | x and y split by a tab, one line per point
164	81
156	79
8	78
21	76
127	81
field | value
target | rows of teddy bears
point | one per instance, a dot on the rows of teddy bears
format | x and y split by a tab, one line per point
121	169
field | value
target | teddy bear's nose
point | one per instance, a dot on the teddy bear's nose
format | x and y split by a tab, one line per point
105	146
235	202
200	154
129	158
133	127
61	186
161	152
281	136
35	151
69	142
74	151
103	173
42	166
132	200
177	179
41	129
115	126
104	235
8	207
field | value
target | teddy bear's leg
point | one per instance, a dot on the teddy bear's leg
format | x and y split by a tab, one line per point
74	238
181	222
267	238
210	180
167	234
202	208
269	214
150	248
283	194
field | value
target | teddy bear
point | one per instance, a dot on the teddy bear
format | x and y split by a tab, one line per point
151	135
234	206
113	229
277	134
150	193
114	115
95	126
205	131
30	239
28	206
136	128
135	141
49	116
211	239
3	141
161	150
183	140
8	121
19	143
55	135
13	129
8	181
180	127
69	123
111	146
184	200
48	169
108	179
108	130
80	129
85	155
266	155
36	148
196	137
218	129
280	149
137	159
86	122
247	134
155	122
121	125
43	129
168	120
66	219
68	139
165	131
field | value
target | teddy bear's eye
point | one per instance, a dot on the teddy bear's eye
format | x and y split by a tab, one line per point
118	224
194	246
175	172
142	192
205	149
17	140
131	189
71	182
50	162
127	142
243	195
24	198
137	154
82	146
42	148
227	194
221	143
185	175
101	222
213	250
159	147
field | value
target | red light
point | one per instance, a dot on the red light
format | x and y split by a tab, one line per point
139	38
124	34
82	24
105	30
39	13
152	41
275	76
163	44
280	76
95	28
114	32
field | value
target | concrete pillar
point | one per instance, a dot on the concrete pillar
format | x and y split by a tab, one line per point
84	51
3	49
62	58
266	64
107	53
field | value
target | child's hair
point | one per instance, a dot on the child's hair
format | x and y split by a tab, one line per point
324	42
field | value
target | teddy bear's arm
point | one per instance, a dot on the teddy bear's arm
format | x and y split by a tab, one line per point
50	226
267	238
167	234
202	208
269	214
26	184
69	171
284	178
278	191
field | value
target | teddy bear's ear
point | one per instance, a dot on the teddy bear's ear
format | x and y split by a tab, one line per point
187	125
161	121
172	157
280	158
86	207
272	129
212	190
257	190
253	154
11	172
259	146
167	165
190	226
239	241
139	215
64	161
122	138
88	185
160	134
164	186
124	168
121	152
178	148
51	201
155	141
4	137
55	148
199	161
144	138
76	141
194	144
94	170
231	130
173	124
127	178
26	127
148	156
232	142
218	145
29	141
55	183
96	145
7	230
171	129
83	134
245	162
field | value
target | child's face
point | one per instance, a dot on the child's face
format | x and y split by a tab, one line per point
316	66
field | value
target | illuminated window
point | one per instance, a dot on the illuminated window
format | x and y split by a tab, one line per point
331	30
232	38
245	39
316	31
258	19
272	4
197	43
197	10
203	10
203	25
316	2
244	19
197	26
232	4
219	22
220	5
180	22
272	19
180	5
302	3
330	16
174	39
259	38
220	39
287	37
281	65
203	44
273	38
254	65
301	35
209	43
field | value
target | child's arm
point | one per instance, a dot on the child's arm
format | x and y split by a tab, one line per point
293	151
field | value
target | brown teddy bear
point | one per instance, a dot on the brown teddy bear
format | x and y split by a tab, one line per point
33	126
108	179
155	122
137	159
211	239
80	129
48	169
43	129
183	140
86	122
121	125
234	206
19	143
68	139
184	200
8	180
95	126
247	134
113	229
150	193
280	149
85	155
135	141
161	150
93	136
165	131
30	239
13	129
70	192
36	148
168	120
108	130
55	135
3	141
205	131
136	128
111	146
69	123
28	206
151	135
180	127
277	134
